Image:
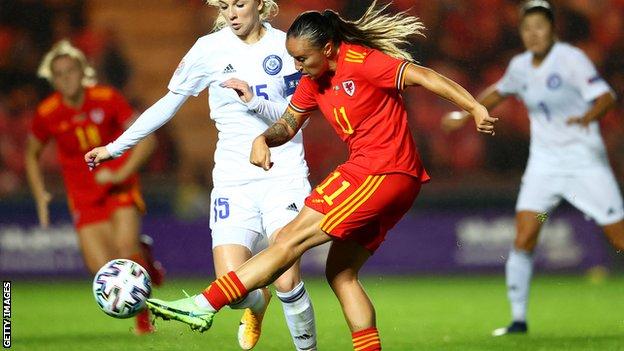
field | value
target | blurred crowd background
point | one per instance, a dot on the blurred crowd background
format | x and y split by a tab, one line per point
135	46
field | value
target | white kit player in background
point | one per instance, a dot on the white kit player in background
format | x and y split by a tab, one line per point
565	97
250	78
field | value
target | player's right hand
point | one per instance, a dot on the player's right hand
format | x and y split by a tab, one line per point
96	156
260	154
452	121
42	209
484	122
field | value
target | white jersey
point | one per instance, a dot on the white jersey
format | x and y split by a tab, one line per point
564	85
270	72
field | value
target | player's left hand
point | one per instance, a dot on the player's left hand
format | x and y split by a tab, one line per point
581	121
108	176
240	87
483	120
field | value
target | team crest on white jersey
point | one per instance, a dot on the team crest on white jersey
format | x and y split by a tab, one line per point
554	81
272	64
97	115
349	87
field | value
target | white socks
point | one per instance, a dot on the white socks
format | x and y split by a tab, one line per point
299	317
519	269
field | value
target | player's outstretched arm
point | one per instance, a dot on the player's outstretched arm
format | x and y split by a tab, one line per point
453	92
149	121
278	134
490	98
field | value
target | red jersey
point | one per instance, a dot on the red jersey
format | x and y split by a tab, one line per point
100	120
362	101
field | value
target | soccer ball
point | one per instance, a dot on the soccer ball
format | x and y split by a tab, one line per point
121	287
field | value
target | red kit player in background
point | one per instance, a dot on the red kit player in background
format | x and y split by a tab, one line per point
106	206
354	73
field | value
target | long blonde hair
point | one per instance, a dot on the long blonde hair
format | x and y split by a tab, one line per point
384	32
269	10
65	48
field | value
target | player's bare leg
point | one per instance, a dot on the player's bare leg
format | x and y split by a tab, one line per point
615	234
96	244
343	265
126	223
298	236
519	270
290	243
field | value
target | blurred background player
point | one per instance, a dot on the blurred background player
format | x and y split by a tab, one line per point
106	205
565	97
353	72
248	205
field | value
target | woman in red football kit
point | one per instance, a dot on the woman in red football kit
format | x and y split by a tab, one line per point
354	73
106	206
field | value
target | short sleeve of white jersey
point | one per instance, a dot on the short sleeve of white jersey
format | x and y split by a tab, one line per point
191	77
585	76
510	83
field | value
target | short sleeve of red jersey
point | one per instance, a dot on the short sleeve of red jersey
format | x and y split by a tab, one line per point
39	128
123	110
383	70
304	99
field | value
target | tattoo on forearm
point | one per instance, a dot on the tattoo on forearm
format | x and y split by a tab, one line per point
276	135
290	119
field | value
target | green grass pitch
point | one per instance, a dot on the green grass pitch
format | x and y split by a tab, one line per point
414	313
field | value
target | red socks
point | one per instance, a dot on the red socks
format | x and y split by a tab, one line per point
366	340
224	291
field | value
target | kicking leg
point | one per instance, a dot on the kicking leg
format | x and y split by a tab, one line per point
291	242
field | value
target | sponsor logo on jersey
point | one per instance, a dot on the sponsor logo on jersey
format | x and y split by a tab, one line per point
554	81
292	207
291	82
272	64
97	115
229	69
349	87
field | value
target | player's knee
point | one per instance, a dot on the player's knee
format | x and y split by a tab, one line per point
525	243
287	282
335	276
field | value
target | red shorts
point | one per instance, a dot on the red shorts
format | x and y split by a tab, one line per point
363	207
124	195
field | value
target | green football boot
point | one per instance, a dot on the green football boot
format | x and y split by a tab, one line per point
184	310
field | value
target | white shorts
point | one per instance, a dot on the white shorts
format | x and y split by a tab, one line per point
249	214
594	192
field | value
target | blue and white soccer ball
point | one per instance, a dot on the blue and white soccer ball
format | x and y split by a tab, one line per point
121	288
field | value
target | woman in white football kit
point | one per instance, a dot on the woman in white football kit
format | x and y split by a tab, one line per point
565	98
248	204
